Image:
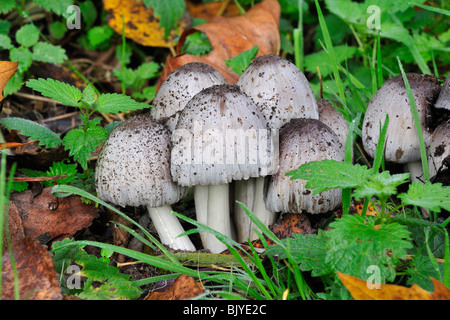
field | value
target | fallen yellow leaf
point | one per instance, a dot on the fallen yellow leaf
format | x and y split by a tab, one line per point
360	290
7	69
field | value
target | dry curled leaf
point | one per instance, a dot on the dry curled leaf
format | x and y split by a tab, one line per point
7	69
35	270
230	36
184	287
45	216
361	291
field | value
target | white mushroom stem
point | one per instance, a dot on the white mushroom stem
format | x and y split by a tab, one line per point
259	207
218	216
201	208
244	191
169	228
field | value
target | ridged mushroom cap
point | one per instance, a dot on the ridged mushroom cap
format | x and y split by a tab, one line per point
303	141
402	142
280	90
439	147
443	101
133	166
219	137
179	87
333	118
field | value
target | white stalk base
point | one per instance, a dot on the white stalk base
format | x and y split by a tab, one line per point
201	208
169	228
218	216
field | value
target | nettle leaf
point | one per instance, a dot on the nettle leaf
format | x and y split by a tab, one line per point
82	143
56	90
47	52
330	174
89	95
357	244
27	35
23	56
197	44
115	103
432	196
381	185
169	12
239	63
33	130
57	6
5	42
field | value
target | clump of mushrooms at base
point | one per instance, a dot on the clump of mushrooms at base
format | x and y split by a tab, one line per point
234	143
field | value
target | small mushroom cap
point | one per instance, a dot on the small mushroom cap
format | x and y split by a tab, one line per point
402	142
133	167
280	90
439	147
179	87
219	137
303	141
443	101
330	116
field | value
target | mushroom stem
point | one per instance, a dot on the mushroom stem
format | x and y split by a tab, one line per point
218	216
201	208
244	192
169	228
259	207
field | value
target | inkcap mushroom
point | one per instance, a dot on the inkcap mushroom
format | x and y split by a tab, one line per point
133	169
216	141
439	149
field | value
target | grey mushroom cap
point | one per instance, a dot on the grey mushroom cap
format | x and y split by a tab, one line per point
443	101
303	141
280	90
219	137
133	166
439	147
402	142
179	87
330	116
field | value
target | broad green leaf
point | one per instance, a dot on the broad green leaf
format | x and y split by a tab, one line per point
197	44
7	5
432	196
169	12
89	95
330	174
57	90
23	56
57	6
27	35
115	103
82	143
33	130
5	42
239	63
47	52
13	85
381	185
99	34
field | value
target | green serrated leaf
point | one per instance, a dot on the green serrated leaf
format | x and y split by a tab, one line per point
27	35
239	63
115	103
5	42
99	34
169	12
47	52
381	185
357	244
7	5
330	174
57	6
89	95
82	143
33	130
23	56
432	196
197	44
57	90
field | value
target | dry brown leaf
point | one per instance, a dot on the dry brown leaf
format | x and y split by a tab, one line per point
36	273
140	24
184	287
360	291
291	223
7	69
230	36
53	218
208	11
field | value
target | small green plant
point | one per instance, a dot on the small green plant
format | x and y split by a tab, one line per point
81	141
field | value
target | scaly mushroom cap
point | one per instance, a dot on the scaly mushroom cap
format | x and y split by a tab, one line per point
443	101
330	116
439	147
402	143
133	167
218	138
179	87
303	141
280	90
